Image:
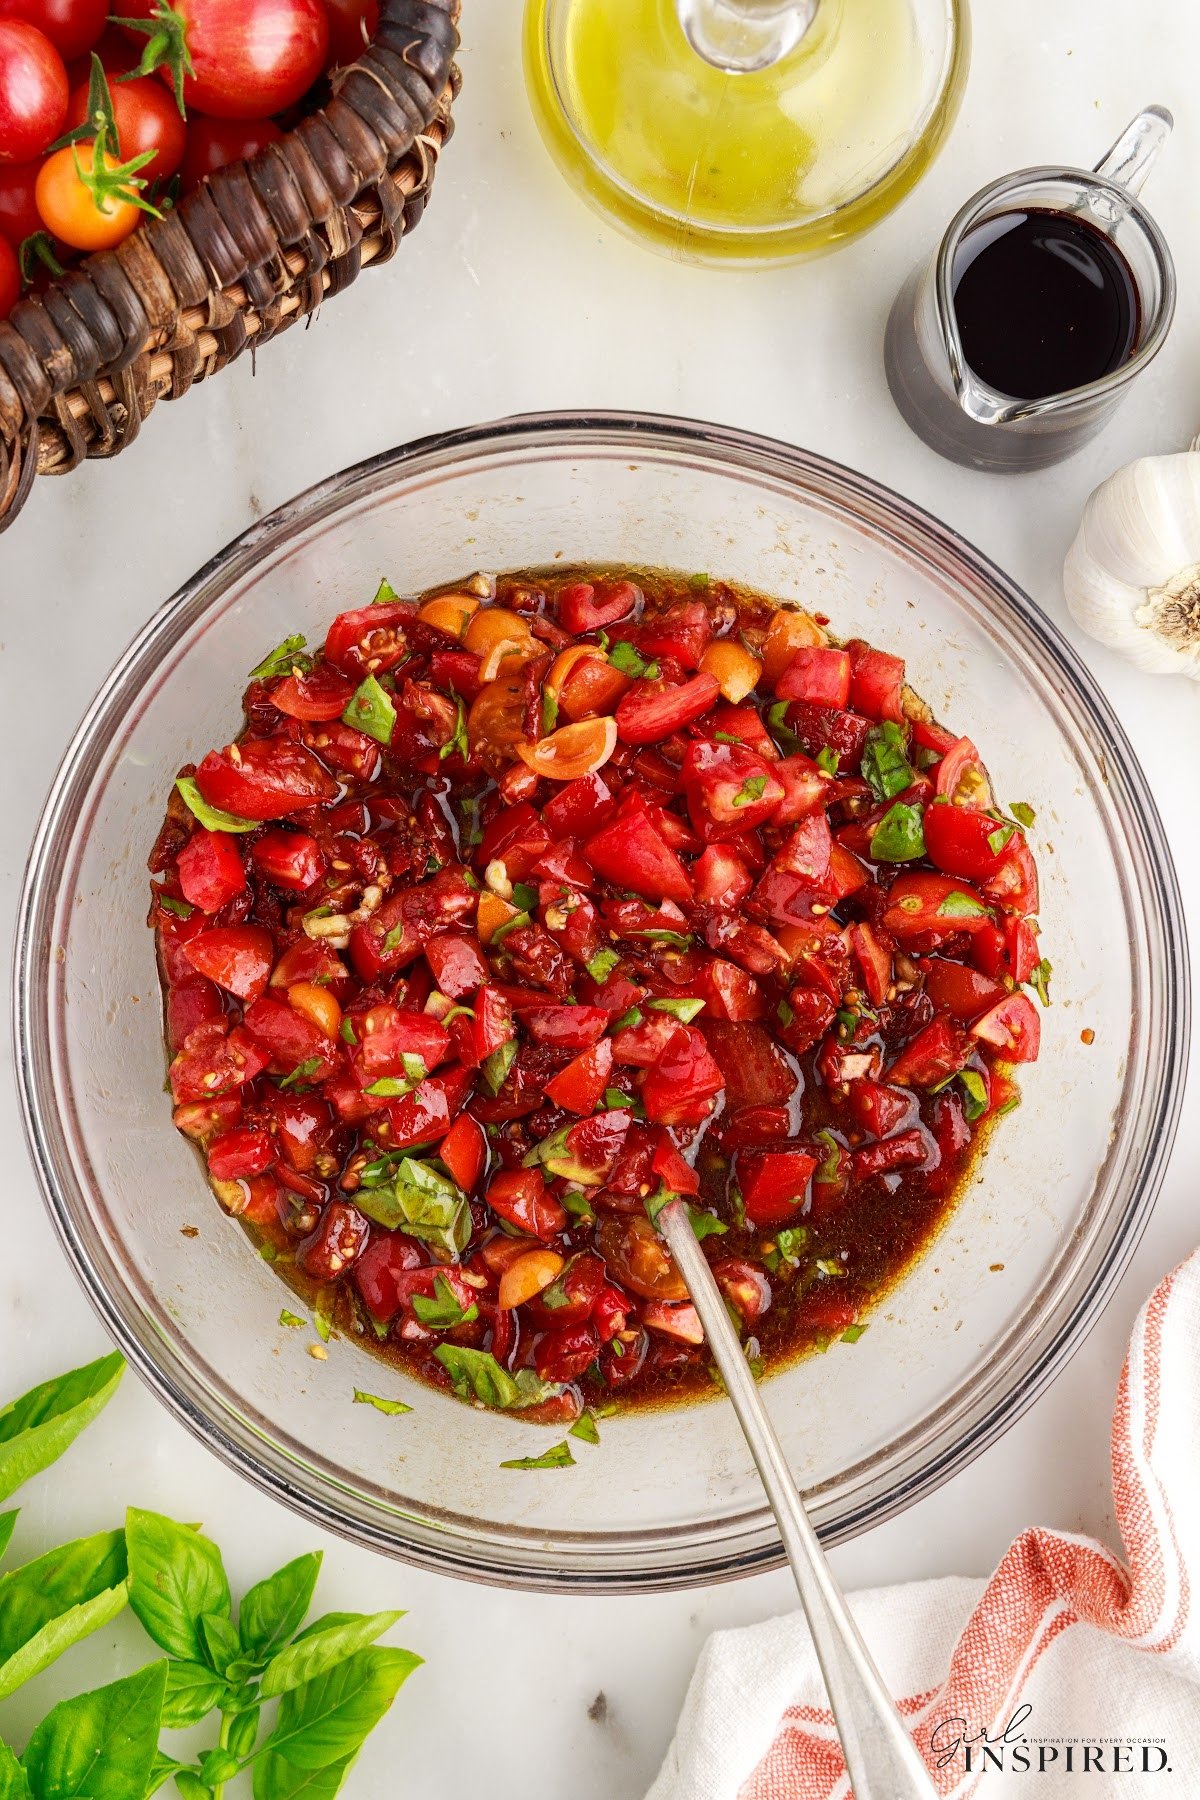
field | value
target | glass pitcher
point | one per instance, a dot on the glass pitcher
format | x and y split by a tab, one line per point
944	400
745	130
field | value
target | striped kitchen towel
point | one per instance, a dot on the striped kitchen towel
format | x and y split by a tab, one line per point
1071	1672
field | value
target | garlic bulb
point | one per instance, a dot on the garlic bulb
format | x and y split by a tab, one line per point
1132	576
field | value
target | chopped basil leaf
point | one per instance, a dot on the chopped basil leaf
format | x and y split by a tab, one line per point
784	1013
391	1087
998	839
751	789
601	966
393	939
1010	1105
585	1427
414	1066
847	1022
976	1090
518	919
725	737
525	897
706	1224
677	940
302	1071
558	1458
699	582
213	818
960	906
457	1012
777	720
739	1207
628	1019
549	712
475	1374
827	1171
458	737
615	1100
393	1408
828	760
577	1204
791	1241
180	908
656	1202
885	765
1023	813
685	1009
346	1032
900	834
495	1067
624	657
852	1333
1039	980
383	593
828	1265
423	1202
371	710
283	659
444	1311
292	1319
323	1313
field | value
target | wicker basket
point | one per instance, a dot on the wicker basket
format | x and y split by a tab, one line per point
257	246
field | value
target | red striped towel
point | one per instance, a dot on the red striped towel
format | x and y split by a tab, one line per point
1083	1670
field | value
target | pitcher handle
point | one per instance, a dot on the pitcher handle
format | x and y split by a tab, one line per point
1135	152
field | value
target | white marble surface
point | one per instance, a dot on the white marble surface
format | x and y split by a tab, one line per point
512	296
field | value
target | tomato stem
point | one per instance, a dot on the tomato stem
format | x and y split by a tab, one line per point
118	181
166	48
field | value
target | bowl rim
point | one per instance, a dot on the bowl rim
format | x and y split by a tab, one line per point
724	1548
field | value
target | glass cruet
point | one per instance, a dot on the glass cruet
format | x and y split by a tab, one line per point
745	130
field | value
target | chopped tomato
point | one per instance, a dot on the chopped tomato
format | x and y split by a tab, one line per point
520	1197
773	1184
876	683
237	957
1011	1028
681	1087
817	675
263	778
210	870
935	1054
632	853
653	710
961	776
291	859
580	1086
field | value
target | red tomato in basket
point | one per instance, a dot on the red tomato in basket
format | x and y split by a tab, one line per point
10	278
72	26
212	143
33	91
352	23
146	118
249	58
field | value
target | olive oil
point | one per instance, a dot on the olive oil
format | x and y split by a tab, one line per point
711	163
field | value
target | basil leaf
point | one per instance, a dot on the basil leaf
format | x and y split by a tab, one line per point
852	1333
625	657
476	1375
976	1091
524	897
628	1020
372	711
495	1067
706	1224
325	1721
443	1312
426	1203
1039	980
318	1651
961	906
1023	813
585	1427
549	712
676	939
242	1730
101	1745
190	1785
999	838
518	919
301	1072
180	908
217	1766
752	788
222	1646
13	1785
292	1319
777	720
191	1694
161	1769
277	1779
900	834
601	966
685	1009
828	760
393	1408
458	739
578	1204
384	593
213	818
7	1521
283	659
885	765
37	1428
392	1087
558	1458
175	1576
53	1602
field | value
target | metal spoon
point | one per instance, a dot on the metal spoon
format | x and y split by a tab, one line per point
882	1760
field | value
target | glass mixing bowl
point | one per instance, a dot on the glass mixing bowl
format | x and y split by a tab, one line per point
978	1326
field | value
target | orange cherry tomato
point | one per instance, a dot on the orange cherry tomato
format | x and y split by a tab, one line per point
69	210
572	750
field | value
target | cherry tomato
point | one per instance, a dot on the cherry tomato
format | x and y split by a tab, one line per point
249	58
72	26
10	278
351	24
19	216
33	91
69	209
211	143
147	118
264	779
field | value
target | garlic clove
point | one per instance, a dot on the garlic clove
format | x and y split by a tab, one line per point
1132	575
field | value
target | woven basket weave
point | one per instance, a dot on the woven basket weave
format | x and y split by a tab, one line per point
257	246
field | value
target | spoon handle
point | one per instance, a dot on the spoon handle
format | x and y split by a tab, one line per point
881	1758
